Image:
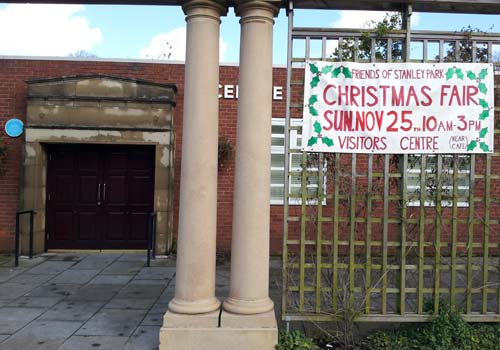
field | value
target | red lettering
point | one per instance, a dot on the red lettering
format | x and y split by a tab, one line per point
325	91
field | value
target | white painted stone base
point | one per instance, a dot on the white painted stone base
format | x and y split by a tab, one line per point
242	332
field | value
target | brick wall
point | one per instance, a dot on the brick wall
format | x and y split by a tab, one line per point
13	88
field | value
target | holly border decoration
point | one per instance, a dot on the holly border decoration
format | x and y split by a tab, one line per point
484	114
313	99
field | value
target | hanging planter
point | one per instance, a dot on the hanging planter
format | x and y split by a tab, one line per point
225	151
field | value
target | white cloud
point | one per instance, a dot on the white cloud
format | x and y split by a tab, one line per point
45	30
362	19
172	46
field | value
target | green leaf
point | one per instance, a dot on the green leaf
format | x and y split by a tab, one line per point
317	127
312	141
482	87
471	145
471	75
483	74
313	68
449	73
483	103
484	115
460	75
326	69
483	132
313	111
484	147
347	72
336	72
314	81
313	99
327	141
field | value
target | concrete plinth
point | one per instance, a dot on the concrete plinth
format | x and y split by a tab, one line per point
242	332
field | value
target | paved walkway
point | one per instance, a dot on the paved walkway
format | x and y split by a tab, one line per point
97	301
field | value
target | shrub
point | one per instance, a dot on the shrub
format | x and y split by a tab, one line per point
447	331
295	340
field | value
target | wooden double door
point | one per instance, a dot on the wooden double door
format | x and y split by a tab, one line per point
99	197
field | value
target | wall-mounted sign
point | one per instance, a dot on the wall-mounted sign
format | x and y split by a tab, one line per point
230	92
14	127
398	108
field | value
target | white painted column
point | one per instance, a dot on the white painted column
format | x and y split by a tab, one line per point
249	292
195	272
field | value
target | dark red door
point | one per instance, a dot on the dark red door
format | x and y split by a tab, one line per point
99	197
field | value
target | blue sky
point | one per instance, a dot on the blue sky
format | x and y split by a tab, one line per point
133	32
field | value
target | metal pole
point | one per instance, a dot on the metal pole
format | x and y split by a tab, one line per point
153	233
31	234
284	257
149	241
16	248
407	12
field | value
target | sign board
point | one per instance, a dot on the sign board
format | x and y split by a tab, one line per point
398	107
14	127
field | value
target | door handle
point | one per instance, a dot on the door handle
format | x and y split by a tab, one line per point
104	193
99	192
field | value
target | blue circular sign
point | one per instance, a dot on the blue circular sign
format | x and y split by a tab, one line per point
14	127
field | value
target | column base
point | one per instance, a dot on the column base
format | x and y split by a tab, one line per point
245	307
242	332
182	307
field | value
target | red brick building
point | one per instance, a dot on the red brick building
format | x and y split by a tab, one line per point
16	72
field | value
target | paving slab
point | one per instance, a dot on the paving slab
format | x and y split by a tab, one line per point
113	323
79	342
36	302
111	279
68	310
133	257
159	307
141	291
167	294
93	263
26	262
163	262
65	256
30	278
54	290
95	292
156	273
123	268
41	335
150	282
14	318
75	276
130	304
153	319
51	267
12	291
144	338
6	273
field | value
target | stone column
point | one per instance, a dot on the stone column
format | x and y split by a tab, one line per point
249	292
195	273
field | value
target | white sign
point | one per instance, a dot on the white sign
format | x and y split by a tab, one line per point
398	107
230	92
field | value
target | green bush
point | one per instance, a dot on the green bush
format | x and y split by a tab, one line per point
447	331
295	340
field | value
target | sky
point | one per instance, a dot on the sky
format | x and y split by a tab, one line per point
158	32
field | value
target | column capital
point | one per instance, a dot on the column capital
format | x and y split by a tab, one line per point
204	8
250	10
